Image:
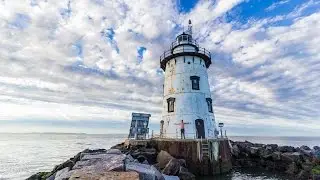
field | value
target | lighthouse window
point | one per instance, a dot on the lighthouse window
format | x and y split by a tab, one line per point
170	102
195	82
185	38
209	102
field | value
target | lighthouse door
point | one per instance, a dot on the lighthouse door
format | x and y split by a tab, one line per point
200	128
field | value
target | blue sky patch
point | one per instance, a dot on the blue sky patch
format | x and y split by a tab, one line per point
108	36
140	51
77	48
21	21
186	5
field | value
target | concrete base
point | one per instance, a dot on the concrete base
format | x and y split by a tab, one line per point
218	161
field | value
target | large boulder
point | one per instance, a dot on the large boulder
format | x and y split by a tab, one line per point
286	149
149	154
316	148
272	147
305	148
235	150
102	162
305	152
172	168
163	158
145	171
113	151
62	174
291	157
111	175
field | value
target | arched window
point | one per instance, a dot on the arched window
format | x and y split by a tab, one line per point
170	102
209	103
195	82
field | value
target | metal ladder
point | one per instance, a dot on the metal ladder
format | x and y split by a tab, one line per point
205	149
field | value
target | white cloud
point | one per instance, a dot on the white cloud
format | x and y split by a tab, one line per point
56	61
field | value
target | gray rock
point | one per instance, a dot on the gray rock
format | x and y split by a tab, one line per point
308	153
276	156
64	176
172	168
303	175
61	173
305	148
157	173
307	166
184	174
90	154
166	177
182	162
145	171
316	148
114	151
76	158
103	162
235	150
266	153
292	169
163	158
145	162
291	156
129	158
156	166
254	151
273	147
88	175
68	163
286	149
51	177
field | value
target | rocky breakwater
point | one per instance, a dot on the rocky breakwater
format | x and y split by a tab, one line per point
119	163
300	162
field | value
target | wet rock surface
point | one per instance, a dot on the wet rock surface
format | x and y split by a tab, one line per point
300	162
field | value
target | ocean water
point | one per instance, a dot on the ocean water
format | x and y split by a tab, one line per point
22	155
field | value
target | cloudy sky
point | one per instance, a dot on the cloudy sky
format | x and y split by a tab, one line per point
85	65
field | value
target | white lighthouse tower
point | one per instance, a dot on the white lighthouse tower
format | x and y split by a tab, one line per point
186	89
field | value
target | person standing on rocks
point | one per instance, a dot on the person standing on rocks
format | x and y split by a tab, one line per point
182	130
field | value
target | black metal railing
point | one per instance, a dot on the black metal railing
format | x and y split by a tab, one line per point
189	41
171	52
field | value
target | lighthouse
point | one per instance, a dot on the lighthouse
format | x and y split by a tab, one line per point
187	101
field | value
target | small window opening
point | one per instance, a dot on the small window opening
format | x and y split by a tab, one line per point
209	103
195	82
170	102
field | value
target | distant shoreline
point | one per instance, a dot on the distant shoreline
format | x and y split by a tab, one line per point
125	134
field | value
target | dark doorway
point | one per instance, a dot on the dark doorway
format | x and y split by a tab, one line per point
200	128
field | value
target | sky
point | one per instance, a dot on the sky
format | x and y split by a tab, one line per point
83	66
